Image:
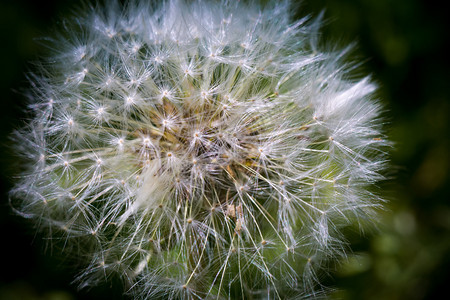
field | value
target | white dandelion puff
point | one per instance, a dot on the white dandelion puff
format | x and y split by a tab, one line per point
200	150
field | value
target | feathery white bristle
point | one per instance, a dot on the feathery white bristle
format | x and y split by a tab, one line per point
200	150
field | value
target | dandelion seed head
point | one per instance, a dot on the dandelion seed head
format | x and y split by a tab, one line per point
201	150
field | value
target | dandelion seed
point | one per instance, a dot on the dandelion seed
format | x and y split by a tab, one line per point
200	150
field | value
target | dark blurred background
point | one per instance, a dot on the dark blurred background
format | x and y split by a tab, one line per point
404	44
